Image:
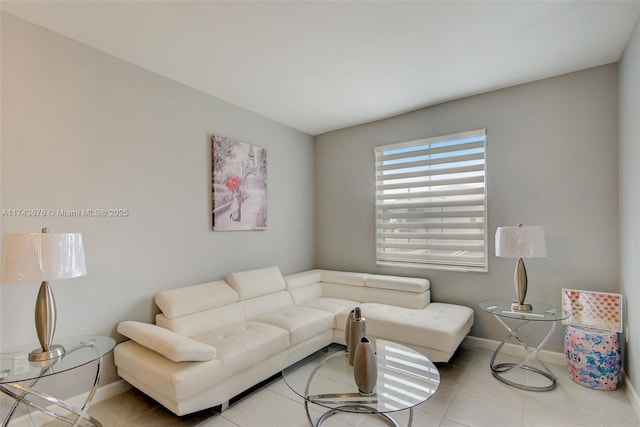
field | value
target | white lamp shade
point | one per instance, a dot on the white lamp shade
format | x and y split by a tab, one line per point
521	242
30	257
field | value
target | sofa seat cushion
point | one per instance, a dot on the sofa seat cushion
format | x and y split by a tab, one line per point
333	305
238	346
438	326
244	344
301	322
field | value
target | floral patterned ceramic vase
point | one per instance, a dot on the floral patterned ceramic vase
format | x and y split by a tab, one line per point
593	357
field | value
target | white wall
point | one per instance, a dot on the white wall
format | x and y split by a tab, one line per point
552	161
630	197
81	129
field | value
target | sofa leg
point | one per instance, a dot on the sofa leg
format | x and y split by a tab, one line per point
224	406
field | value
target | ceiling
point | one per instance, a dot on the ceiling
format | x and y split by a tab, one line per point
317	66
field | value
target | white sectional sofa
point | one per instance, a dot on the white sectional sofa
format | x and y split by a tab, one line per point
214	340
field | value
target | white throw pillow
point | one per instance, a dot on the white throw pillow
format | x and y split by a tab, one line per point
171	345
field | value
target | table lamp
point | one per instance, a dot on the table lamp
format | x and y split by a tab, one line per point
30	257
521	242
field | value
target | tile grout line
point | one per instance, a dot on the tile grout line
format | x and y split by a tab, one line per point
457	389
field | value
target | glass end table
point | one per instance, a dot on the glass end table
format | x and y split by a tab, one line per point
406	379
513	321
19	376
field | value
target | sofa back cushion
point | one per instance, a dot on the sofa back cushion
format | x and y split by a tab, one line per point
343	277
195	298
409	292
415	300
263	304
314	284
406	284
343	285
298	280
348	292
202	321
260	291
255	283
304	286
193	309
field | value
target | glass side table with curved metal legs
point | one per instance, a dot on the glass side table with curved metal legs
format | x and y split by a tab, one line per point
513	322
406	379
19	377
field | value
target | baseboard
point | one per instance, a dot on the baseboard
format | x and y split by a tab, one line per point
631	393
512	349
102	393
105	392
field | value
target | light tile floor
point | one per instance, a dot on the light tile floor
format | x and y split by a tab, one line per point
468	396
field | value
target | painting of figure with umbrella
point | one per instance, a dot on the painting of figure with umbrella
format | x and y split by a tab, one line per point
239	185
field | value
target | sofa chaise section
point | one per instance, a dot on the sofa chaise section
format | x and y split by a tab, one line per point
396	309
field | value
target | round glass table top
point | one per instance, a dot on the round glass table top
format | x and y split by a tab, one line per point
540	311
406	378
15	366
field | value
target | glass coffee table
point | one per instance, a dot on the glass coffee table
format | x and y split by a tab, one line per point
406	379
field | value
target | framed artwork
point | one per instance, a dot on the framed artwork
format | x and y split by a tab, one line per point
239	185
597	310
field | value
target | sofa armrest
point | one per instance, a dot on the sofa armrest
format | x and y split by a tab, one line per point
171	345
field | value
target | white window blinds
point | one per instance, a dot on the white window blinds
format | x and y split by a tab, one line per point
431	202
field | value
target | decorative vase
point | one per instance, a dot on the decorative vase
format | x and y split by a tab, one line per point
365	369
347	328
593	357
356	332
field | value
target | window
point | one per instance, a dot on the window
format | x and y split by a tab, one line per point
431	202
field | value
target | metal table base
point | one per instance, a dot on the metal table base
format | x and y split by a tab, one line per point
500	369
354	406
24	392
